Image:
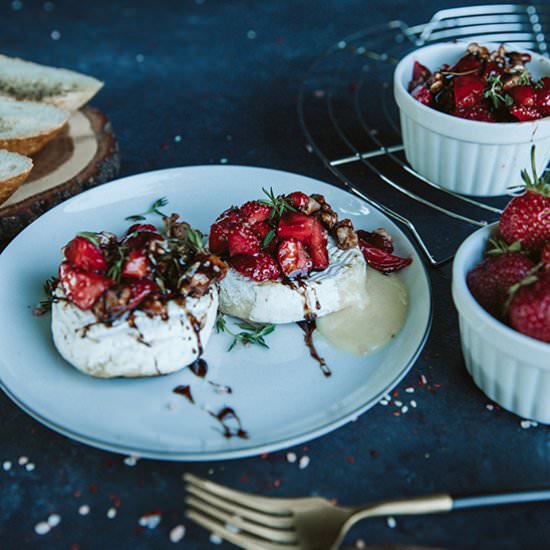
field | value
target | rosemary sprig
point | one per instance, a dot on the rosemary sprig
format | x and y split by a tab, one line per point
153	209
279	205
495	93
268	238
90	236
251	334
115	271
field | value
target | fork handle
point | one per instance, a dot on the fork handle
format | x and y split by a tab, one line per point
497	499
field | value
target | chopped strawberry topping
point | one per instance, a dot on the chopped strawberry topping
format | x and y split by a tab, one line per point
242	240
260	267
254	212
83	254
523	113
524	95
139	291
379	239
468	91
136	266
82	288
423	94
141	227
294	259
298	199
296	225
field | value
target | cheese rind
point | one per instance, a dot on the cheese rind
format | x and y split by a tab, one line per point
149	346
319	294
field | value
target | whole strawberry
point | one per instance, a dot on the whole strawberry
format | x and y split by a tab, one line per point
490	281
530	309
527	217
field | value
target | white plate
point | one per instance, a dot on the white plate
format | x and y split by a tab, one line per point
280	394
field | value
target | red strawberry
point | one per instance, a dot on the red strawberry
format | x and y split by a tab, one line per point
296	225
242	240
545	256
298	199
260	267
293	258
217	239
81	253
382	261
490	280
378	238
141	227
530	309
261	229
421	73
523	95
229	215
468	91
479	112
423	94
317	247
524	114
136	265
139	291
527	217
254	212
543	98
82	288
469	62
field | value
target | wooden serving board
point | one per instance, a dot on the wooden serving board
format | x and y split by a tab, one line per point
83	155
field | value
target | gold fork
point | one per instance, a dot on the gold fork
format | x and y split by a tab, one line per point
311	523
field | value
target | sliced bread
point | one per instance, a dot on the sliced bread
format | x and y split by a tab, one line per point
26	126
66	89
14	169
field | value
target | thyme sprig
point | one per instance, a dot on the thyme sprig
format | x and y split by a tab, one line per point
195	240
494	92
115	271
279	205
45	305
153	209
251	334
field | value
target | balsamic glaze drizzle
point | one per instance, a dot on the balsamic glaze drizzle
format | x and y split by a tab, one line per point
309	326
223	416
199	367
185	391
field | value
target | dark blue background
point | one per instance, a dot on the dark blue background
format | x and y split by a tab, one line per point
233	97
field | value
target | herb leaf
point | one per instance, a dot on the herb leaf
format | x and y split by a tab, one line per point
115	271
279	205
195	239
495	93
49	288
251	334
268	238
90	236
153	209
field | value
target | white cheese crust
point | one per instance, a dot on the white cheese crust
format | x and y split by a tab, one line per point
149	348
319	294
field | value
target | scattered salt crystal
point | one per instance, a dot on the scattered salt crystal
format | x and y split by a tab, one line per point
291	457
398	403
177	533
177	138
413	403
383	402
387	397
54	520
84	510
150	521
22	460
111	513
251	35
30	467
140	57
404	409
42	528
390	520
525	424
215	539
489	406
131	460
304	462
360	544
55	34
309	148
223	161
410	389
6	465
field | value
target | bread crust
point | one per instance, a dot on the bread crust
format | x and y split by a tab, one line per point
30	145
9	187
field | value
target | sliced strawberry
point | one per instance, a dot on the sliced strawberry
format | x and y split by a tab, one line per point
543	99
294	259
421	72
136	266
523	113
82	288
219	232
478	112
469	62
468	91
317	247
141	227
298	199
382	261
423	94
242	240
229	215
254	212
296	225
260	267
261	229
139	291
523	95
83	254
379	239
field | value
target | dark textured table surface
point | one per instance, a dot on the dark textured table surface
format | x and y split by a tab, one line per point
224	76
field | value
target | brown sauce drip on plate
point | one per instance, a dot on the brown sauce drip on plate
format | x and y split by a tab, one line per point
220	388
199	367
185	391
308	326
223	416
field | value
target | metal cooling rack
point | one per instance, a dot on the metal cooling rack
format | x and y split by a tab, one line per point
349	118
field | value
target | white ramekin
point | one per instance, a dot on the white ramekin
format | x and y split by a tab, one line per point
467	156
511	368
